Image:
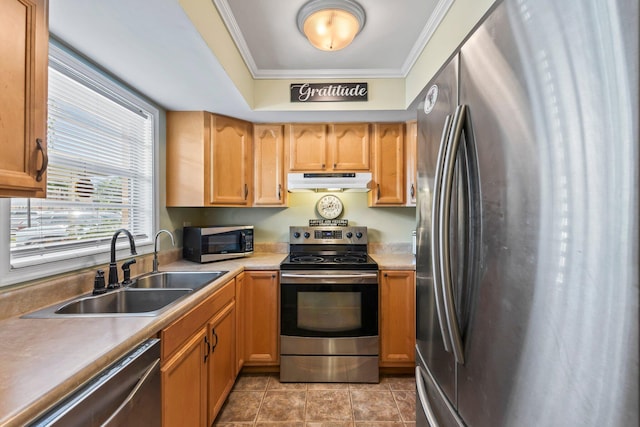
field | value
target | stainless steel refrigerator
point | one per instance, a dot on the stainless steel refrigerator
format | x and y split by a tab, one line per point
527	221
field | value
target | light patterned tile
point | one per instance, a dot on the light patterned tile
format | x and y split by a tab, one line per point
240	406
275	384
374	406
280	405
328	386
329	424
328	405
379	424
279	424
250	382
402	382
406	401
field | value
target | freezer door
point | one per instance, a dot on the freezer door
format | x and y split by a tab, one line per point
441	102
552	336
432	407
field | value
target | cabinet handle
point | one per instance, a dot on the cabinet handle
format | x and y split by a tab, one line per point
413	191
45	160
246	191
208	345
279	191
214	345
378	191
335	165
323	166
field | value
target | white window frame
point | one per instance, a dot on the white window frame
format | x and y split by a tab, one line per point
11	275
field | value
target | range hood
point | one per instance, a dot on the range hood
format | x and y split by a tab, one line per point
347	181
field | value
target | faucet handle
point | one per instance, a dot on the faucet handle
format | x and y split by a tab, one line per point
98	283
126	272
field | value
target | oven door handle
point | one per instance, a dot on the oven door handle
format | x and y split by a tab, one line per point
328	276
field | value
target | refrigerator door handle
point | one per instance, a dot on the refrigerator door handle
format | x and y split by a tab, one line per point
435	233
424	399
455	137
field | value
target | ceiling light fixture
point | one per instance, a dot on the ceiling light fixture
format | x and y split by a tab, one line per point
331	24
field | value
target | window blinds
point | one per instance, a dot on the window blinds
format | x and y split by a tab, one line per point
100	174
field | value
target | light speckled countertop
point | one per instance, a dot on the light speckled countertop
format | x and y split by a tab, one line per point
43	360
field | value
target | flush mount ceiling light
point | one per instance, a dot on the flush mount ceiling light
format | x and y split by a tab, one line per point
331	24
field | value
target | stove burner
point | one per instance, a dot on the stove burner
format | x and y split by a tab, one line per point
307	258
343	259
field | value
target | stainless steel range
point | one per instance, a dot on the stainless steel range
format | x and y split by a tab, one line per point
328	307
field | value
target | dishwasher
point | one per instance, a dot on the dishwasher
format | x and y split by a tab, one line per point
127	393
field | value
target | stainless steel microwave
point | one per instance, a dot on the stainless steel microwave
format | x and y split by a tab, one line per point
206	244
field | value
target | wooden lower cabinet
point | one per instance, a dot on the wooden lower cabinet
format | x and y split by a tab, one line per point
198	360
240	321
184	384
397	318
261	311
222	358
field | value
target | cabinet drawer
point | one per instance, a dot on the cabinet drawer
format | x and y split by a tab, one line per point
179	331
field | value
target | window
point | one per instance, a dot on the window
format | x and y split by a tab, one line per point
100	177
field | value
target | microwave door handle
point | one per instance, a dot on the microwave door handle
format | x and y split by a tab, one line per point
435	233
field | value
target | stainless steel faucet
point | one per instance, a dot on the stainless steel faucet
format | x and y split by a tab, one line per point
155	248
113	267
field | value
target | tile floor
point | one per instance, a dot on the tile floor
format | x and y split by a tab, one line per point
263	401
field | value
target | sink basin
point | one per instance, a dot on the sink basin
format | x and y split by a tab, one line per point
124	301
119	303
176	280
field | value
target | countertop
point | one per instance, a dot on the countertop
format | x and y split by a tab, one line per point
43	360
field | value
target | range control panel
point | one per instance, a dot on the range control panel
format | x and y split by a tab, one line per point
328	234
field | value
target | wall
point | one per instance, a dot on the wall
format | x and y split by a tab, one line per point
386	225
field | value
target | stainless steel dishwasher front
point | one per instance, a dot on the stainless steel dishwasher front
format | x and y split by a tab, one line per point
127	393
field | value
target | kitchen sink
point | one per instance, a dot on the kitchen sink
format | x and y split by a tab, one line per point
148	295
125	301
175	280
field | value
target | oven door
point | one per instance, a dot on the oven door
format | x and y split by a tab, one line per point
328	304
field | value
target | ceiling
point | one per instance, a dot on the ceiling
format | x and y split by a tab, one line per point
153	46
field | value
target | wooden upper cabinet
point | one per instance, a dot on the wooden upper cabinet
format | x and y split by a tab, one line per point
269	180
24	46
315	147
230	162
349	146
411	162
388	165
209	160
306	147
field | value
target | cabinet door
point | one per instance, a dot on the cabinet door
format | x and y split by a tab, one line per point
24	38
269	188
230	164
240	321
261	318
184	384
411	162
398	319
349	144
388	165
222	358
307	147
